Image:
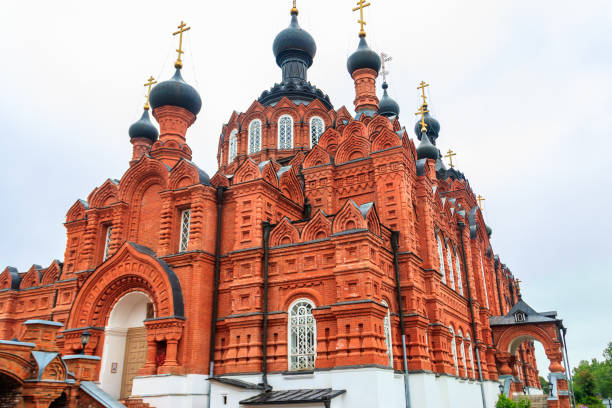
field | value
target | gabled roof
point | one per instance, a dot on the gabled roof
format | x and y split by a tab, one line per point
293	397
531	316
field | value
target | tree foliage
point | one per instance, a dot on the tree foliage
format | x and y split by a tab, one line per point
545	385
593	380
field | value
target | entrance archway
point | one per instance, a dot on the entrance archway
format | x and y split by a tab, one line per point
10	391
125	343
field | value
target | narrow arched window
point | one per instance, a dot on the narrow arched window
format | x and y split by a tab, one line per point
462	348
316	130
471	354
302	336
458	269
255	136
454	349
233	146
449	260
285	132
441	256
107	242
387	327
484	280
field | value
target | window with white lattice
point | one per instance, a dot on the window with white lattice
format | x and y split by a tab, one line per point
458	269
387	327
454	349
441	256
233	146
316	130
449	260
462	348
107	242
285	132
484	280
302	336
471	354
255	136
185	225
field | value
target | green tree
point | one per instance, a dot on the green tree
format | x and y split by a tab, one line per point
504	402
545	386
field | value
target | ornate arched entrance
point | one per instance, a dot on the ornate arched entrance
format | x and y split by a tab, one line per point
10	390
522	324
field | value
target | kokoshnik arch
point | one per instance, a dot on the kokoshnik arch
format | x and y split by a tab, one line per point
332	260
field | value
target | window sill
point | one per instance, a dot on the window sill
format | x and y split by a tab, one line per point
298	374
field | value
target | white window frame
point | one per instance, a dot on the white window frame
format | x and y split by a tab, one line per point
280	126
233	146
301	356
484	280
107	241
254	144
388	337
185	229
449	259
462	345
471	354
454	349
441	256
310	133
458	269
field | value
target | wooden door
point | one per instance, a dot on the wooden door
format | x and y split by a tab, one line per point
135	358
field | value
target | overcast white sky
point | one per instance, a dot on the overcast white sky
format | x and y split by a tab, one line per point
522	90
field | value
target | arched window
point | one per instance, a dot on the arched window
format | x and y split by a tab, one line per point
255	136
441	256
387	326
285	132
458	269
107	241
233	146
484	280
316	130
449	260
454	349
471	354
462	348
302	336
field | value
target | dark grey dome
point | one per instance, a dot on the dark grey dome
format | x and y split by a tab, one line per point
426	150
293	41
387	106
364	57
143	128
433	127
489	230
176	92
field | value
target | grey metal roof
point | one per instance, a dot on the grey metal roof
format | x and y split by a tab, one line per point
293	396
237	383
531	316
99	395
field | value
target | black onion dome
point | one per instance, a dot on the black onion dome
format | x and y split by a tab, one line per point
489	230
176	92
143	128
294	40
426	150
387	106
433	127
364	57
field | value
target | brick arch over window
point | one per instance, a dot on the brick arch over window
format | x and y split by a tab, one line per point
132	268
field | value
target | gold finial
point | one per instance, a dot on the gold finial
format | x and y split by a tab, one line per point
385	58
450	155
182	29
480	199
294	10
361	4
150	82
422	111
422	87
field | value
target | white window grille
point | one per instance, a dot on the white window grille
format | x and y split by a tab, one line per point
449	259
316	130
233	146
462	348
185	225
255	136
471	354
454	349
441	256
458	269
484	281
302	336
519	317
387	328
285	132
107	242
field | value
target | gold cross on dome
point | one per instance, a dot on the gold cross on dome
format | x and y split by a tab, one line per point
422	111
480	199
182	29
150	82
449	156
361	4
422	87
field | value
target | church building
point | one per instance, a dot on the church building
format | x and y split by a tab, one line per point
333	260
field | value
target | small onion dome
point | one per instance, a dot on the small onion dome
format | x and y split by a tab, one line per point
176	92
364	57
143	128
489	230
387	105
294	41
426	150
433	126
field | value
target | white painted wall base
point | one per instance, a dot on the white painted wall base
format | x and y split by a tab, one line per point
172	391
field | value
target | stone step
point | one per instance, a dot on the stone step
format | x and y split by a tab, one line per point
135	403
